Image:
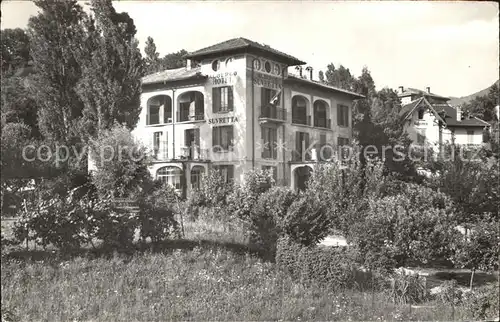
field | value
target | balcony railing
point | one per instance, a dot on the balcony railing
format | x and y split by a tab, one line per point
160	154
302	120
185	117
324	123
194	153
272	113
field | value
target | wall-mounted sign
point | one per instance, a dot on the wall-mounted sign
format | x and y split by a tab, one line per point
221	120
264	80
223	78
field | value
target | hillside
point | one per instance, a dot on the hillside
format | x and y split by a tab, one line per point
454	101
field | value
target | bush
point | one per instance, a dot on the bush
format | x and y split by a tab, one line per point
332	267
483	304
156	214
406	289
268	216
415	226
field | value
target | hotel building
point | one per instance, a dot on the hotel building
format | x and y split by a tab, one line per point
235	107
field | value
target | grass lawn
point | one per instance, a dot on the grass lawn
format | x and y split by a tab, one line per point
209	275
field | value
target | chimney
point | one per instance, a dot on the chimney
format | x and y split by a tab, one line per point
401	89
428	89
299	68
459	113
188	64
310	70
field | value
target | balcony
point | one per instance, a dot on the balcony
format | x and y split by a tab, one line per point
304	120
194	153
323	123
312	155
272	114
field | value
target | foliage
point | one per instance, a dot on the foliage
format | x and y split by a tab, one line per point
408	289
483	303
213	192
416	225
268	218
473	186
330	268
110	84
479	249
56	37
483	106
15	49
156	214
121	162
154	63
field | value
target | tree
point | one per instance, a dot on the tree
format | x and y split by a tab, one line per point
321	76
151	61
56	35
483	107
121	162
110	85
174	60
15	50
479	250
340	77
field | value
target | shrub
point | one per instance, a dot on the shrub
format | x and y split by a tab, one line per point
267	218
483	303
156	216
406	289
416	225
332	267
121	163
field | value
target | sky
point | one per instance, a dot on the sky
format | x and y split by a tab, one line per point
452	47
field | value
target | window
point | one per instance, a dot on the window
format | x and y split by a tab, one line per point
320	114
421	114
157	143
222	138
227	171
269	143
299	110
191	106
267	109
342	115
171	176
222	99
267	66
215	65
156	106
301	146
196	176
470	137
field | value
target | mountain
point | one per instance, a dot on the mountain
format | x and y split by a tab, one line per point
454	101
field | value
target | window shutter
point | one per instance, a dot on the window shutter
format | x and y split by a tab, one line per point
215	139
197	137
298	144
215	99
230	98
339	120
230	172
147	115
306	138
230	136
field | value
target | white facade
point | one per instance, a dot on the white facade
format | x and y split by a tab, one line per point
255	123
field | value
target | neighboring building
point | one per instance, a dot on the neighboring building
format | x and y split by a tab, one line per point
430	119
235	107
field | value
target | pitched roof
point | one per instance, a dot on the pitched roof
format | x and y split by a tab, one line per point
173	75
292	77
245	45
414	91
443	111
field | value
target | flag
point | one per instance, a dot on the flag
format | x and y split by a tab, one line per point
276	98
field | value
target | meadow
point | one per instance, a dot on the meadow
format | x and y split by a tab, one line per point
210	274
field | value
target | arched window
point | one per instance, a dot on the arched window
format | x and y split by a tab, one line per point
321	114
196	175
191	106
157	106
170	175
299	110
